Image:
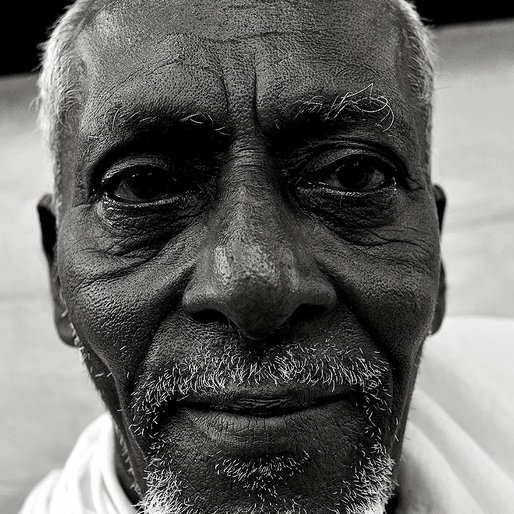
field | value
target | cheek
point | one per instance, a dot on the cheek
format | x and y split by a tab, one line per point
391	287
118	301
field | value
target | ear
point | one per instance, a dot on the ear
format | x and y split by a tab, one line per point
48	227
440	202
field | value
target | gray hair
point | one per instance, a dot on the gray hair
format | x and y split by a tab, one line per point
58	85
60	88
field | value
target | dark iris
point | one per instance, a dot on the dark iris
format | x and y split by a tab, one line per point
357	173
146	184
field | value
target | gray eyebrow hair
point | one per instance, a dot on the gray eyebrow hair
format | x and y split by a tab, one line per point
364	101
146	118
126	116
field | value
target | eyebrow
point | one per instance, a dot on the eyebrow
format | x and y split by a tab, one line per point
132	125
134	118
366	113
352	106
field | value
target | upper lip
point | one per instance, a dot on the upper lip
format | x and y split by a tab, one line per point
266	402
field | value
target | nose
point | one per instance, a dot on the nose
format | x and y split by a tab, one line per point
255	269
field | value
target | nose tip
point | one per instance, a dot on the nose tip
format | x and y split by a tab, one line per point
256	288
252	324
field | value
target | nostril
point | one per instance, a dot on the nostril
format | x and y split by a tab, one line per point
306	313
208	316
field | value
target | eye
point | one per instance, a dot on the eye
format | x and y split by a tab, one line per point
356	173
145	184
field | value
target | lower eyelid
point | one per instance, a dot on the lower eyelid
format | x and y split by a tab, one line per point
387	187
387	181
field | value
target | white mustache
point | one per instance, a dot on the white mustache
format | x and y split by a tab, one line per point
210	373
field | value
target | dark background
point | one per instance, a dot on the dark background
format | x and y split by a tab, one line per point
26	26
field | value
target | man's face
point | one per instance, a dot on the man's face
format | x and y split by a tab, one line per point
248	248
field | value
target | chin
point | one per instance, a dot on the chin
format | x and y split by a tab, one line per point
275	484
276	442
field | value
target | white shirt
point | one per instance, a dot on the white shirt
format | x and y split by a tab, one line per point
458	452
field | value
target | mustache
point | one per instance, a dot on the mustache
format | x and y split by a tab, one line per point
221	372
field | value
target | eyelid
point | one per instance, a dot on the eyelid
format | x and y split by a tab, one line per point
121	167
324	161
125	165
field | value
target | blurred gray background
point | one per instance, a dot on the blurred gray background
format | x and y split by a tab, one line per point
45	396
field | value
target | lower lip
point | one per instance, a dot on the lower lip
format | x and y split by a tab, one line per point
242	432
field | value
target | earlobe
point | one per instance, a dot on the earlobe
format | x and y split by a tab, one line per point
48	226
440	201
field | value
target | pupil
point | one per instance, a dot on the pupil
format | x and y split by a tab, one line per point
355	174
146	185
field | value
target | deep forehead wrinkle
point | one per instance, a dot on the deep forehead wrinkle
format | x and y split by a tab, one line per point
126	96
188	49
188	52
135	74
168	51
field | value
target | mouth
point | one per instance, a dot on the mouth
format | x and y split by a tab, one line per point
264	421
266	403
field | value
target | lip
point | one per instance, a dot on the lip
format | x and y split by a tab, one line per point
265	419
266	403
243	424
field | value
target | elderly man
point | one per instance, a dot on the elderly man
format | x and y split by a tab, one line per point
243	242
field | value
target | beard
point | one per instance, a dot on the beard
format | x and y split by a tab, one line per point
367	492
367	483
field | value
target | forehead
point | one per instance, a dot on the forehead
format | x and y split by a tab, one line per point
239	59
345	40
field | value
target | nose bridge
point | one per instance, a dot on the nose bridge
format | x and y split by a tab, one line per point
254	232
253	239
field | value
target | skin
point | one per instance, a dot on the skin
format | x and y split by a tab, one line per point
255	245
